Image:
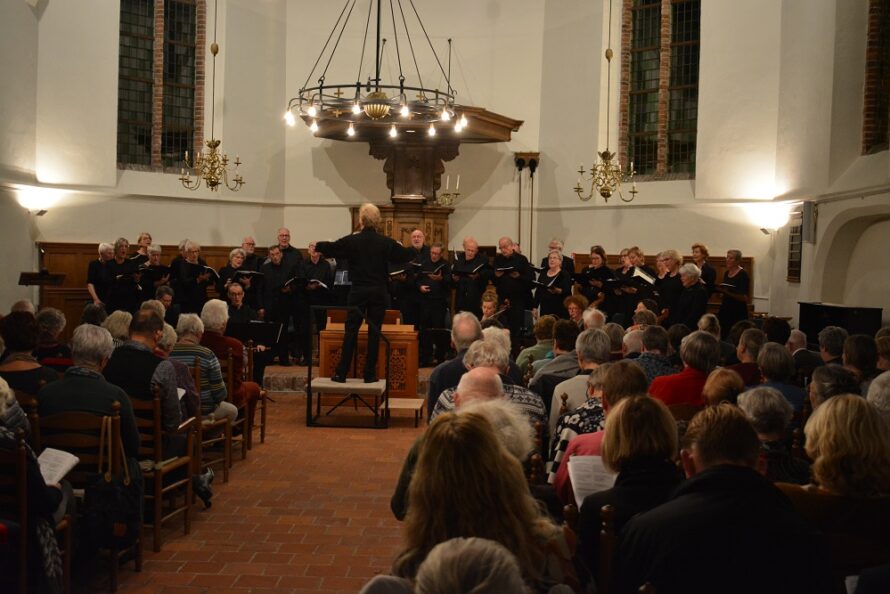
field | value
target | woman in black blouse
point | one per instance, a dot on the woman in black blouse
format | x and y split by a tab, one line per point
123	274
553	286
597	275
98	282
734	289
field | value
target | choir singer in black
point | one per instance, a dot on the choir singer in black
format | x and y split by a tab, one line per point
433	290
470	273
368	253
513	278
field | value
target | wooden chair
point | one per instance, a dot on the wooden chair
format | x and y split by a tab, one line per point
14	506
211	435
80	434
529	371
227	367
684	412
264	397
607	548
536	473
155	468
564	404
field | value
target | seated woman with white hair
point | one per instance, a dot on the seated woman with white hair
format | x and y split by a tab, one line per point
770	414
215	316
502	337
692	302
188	350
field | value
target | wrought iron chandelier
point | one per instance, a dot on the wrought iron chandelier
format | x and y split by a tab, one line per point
606	175
376	107
211	166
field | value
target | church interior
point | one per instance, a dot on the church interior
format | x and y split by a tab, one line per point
760	126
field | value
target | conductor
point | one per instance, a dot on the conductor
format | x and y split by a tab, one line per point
368	253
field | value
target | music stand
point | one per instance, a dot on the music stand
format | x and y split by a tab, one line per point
42	278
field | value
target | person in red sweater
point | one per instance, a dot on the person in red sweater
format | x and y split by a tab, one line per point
700	352
215	315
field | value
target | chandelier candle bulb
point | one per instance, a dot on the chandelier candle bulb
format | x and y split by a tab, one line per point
447	182
432	130
457	185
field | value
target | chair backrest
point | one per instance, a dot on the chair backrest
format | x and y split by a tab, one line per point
196	374
79	433
148	424
564	404
250	348
684	412
227	367
608	545
24	398
14	498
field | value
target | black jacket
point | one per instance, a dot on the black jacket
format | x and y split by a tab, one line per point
727	529
368	253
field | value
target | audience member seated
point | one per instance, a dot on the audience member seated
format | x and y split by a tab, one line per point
749	345
580	432
93	313
632	344
616	338
861	358
542	348
805	361
83	388
693	300
24	305
565	363
20	368
594	319
777	367
653	359
829	381
710	324
726	528
640	445
849	444
190	403
50	352
776	330
118	324
592	348
723	385
475	565
831	344
213	388
699	352
575	306
882	343
46	506
676	334
879	395
481	391
492	355
736	332
770	415
215	316
166	295
136	369
465	330
502	337
466	484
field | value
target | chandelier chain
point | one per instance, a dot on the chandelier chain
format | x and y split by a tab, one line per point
321	53
410	43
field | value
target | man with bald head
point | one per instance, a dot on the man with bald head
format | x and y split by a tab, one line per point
513	280
470	274
403	286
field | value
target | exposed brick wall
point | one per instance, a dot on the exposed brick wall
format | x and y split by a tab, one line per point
664	78
157	95
624	81
875	107
200	53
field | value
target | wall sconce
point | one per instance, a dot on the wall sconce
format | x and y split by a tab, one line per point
38	199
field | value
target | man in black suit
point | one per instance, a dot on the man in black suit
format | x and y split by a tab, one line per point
513	278
756	541
433	287
805	361
369	254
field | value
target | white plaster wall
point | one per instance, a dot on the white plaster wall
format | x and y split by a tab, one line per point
738	100
868	277
18	67
17	235
77	65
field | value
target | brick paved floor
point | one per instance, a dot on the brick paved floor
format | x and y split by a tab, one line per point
308	511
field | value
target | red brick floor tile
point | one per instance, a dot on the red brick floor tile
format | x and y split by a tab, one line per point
308	511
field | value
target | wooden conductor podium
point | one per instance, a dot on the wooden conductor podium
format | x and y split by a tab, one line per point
403	356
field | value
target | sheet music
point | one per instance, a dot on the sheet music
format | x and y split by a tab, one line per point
55	464
589	475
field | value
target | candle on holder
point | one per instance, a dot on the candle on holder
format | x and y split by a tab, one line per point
457	185
447	182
